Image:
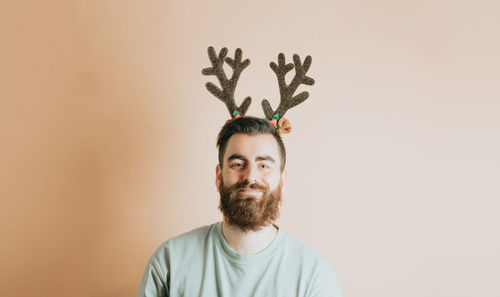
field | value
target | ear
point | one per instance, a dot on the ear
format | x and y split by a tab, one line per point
218	176
284	176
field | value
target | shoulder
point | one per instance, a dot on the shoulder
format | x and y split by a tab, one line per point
170	257
183	243
194	237
315	265
301	250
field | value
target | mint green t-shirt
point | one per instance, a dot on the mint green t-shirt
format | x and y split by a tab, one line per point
200	263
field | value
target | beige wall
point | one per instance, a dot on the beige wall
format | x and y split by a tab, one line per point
108	138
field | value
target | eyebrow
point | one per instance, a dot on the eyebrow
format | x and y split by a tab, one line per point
243	158
265	158
236	156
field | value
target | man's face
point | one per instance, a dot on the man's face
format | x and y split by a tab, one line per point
250	181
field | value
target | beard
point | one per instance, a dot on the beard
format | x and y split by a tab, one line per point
249	213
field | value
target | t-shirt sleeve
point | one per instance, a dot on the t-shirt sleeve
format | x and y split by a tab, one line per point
154	281
325	283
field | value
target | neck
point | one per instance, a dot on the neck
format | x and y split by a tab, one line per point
249	242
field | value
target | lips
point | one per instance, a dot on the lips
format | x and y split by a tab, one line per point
251	192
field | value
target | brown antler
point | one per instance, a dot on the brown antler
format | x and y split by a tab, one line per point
226	95
287	91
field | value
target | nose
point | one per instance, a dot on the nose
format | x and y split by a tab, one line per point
251	174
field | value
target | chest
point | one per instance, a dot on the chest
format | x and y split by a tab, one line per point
212	274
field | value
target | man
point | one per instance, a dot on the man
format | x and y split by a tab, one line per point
246	254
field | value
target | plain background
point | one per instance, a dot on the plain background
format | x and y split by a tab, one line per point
108	138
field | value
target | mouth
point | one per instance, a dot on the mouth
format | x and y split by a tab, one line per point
251	192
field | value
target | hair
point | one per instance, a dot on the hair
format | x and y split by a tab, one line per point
249	126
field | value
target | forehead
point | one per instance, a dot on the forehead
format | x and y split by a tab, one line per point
252	146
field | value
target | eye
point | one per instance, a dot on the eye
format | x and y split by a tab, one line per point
265	166
236	165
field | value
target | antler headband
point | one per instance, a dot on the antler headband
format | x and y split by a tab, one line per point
287	98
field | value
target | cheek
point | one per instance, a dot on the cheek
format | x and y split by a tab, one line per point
273	180
229	178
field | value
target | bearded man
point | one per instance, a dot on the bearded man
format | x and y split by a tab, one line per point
246	254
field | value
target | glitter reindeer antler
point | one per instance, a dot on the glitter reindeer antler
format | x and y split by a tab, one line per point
287	100
228	86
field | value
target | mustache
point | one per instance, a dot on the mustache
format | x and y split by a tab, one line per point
246	185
